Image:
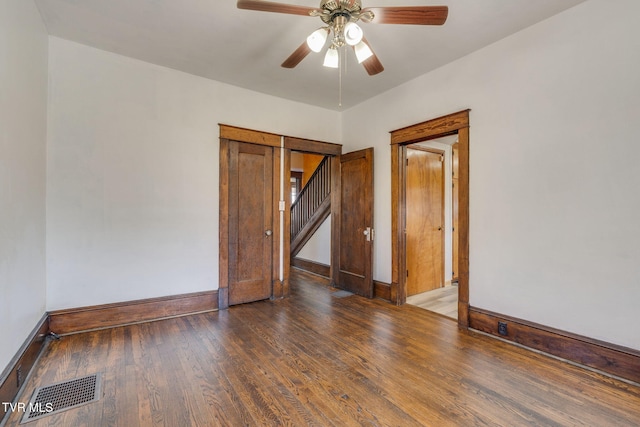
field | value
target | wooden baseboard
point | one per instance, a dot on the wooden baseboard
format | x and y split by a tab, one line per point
610	358
280	289
111	315
382	290
16	372
312	267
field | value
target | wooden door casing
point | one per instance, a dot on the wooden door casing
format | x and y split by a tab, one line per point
454	210
352	218
424	220
250	222
456	123
280	272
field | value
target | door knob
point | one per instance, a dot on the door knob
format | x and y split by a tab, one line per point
368	232
268	233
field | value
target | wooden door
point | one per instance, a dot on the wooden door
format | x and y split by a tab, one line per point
424	220
250	222
352	220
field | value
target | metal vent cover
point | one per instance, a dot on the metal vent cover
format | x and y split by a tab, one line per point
61	396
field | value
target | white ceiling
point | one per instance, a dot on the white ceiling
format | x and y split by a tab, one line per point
214	39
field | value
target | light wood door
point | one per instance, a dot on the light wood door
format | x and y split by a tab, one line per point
424	220
250	222
353	220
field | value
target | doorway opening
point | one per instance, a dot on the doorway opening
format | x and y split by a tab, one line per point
255	227
310	196
431	207
456	125
332	220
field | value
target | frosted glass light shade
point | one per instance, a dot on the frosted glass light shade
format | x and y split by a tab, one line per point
363	52
317	39
352	34
331	59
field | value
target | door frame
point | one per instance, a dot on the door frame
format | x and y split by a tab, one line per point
283	145
312	147
456	123
442	198
227	134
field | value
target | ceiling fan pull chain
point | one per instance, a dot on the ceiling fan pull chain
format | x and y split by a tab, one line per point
344	58
340	82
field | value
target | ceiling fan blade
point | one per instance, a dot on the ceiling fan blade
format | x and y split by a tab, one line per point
415	15
372	64
269	6
297	56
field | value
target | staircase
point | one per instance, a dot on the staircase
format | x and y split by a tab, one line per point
311	207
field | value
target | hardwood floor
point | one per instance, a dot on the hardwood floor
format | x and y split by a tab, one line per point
442	301
314	359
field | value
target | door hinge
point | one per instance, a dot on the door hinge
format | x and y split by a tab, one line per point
407	273
281	205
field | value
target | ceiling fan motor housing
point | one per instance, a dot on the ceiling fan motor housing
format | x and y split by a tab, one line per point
332	9
338	13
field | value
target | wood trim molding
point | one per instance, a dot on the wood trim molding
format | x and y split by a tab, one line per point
18	369
430	129
223	227
247	135
312	267
280	288
229	133
463	227
336	207
610	358
457	123
310	146
82	319
382	290
428	149
235	133
286	226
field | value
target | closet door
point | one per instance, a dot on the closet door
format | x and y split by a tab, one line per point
250	222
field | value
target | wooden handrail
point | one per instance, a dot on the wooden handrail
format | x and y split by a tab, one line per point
315	191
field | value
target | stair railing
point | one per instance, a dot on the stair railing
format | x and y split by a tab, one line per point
315	191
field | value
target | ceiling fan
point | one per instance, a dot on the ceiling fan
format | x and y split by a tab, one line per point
340	17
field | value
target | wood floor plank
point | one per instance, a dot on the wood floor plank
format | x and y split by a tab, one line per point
317	360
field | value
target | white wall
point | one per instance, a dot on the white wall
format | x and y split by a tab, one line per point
318	248
132	173
554	167
23	135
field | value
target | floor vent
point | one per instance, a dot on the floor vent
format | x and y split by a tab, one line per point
341	294
61	396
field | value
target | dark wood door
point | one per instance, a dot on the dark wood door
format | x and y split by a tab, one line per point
250	222
424	220
353	220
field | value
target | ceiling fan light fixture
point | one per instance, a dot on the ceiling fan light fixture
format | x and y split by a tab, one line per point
317	39
332	59
363	52
352	34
